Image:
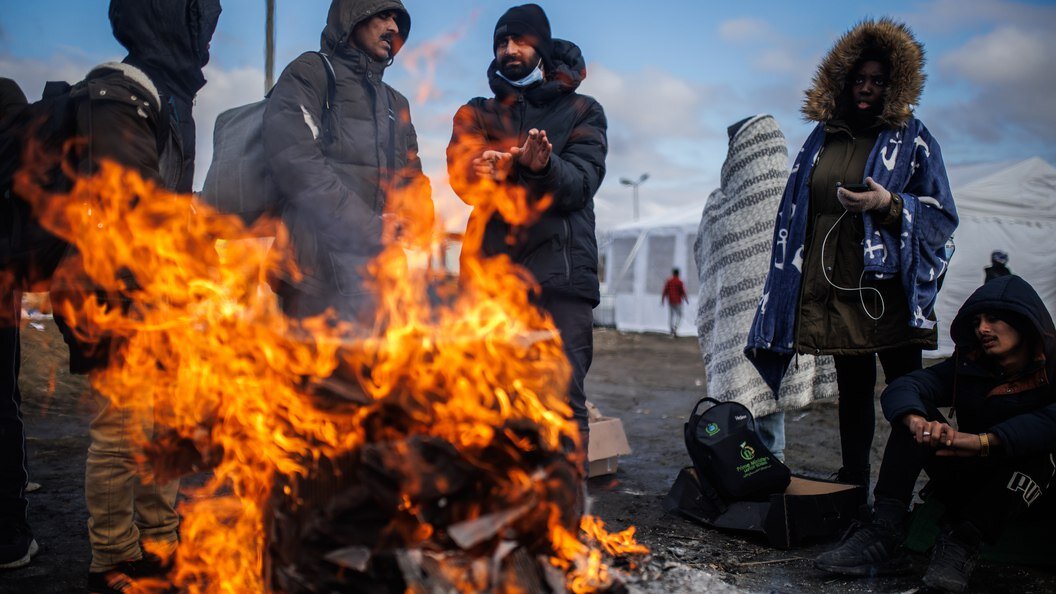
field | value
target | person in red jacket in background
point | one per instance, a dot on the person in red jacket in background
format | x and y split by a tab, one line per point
675	294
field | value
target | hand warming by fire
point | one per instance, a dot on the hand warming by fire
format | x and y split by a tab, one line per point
434	444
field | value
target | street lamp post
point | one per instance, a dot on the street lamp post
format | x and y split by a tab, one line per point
634	185
269	44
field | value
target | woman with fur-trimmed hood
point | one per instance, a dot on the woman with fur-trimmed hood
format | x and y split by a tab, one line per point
860	232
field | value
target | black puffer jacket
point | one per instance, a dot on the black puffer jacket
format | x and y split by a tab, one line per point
333	194
1019	409
560	249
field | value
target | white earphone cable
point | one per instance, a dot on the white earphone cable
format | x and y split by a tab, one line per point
860	289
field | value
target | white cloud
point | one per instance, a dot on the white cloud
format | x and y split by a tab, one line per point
745	30
651	103
1010	97
1007	55
781	61
950	16
31	74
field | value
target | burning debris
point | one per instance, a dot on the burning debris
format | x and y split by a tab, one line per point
429	452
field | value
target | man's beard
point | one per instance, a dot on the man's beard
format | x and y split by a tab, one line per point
515	71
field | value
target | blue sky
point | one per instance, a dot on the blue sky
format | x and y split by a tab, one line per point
671	76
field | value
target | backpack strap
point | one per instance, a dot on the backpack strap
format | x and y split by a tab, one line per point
392	139
331	96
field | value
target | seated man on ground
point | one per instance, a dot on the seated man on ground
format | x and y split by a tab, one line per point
997	463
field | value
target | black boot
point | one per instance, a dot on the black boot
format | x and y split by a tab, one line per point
954	558
871	548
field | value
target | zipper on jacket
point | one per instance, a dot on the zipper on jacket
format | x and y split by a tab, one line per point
567	250
521	137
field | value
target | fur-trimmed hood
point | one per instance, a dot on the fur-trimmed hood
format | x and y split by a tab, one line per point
905	81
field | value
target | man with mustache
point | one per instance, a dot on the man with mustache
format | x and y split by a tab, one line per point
996	462
540	138
336	167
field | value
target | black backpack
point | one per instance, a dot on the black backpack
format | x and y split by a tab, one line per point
40	136
727	453
29	252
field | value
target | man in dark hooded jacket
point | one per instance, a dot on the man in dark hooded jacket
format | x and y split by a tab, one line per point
136	112
538	135
335	177
997	463
17	545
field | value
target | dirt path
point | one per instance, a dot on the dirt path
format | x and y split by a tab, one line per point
650	381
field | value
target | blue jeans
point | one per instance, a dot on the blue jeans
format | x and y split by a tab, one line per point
771	429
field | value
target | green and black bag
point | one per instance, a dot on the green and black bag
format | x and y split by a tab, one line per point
728	454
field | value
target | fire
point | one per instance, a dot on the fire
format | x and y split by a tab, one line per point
474	372
420	61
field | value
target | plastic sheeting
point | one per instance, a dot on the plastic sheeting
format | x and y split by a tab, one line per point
639	259
1002	206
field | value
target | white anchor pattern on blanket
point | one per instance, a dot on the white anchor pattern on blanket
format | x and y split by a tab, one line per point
911	250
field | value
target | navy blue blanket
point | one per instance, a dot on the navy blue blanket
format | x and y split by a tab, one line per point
907	161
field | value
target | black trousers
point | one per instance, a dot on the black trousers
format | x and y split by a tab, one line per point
856	381
987	492
13	469
574	319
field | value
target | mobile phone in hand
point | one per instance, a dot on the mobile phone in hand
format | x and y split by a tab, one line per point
854	187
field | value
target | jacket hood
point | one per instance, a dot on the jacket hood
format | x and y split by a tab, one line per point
1011	294
344	15
568	70
167	39
824	100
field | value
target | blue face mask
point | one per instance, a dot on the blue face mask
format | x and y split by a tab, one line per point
533	77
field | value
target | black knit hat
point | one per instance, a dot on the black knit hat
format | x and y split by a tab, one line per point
530	22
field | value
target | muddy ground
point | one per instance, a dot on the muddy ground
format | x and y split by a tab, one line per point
649	381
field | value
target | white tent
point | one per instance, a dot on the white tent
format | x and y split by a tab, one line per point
1002	206
638	258
1008	206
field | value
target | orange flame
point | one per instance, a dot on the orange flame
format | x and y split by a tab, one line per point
203	349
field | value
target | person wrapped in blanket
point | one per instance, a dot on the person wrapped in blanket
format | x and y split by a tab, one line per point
998	462
859	240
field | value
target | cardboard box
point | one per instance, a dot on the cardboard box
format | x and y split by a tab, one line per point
807	509
606	444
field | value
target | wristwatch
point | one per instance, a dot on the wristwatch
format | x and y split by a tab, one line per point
894	210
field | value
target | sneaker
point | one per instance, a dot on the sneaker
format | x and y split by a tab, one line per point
17	545
870	548
954	558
